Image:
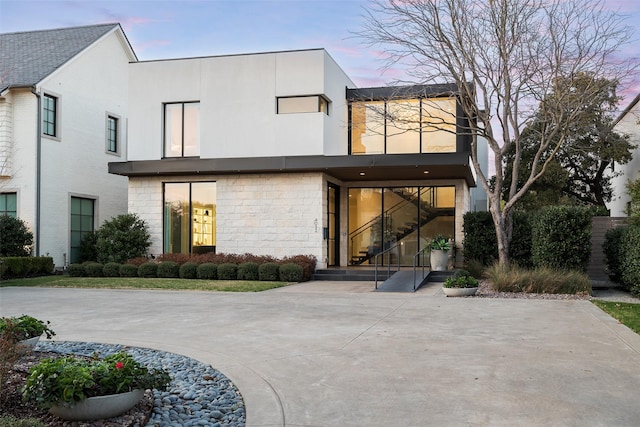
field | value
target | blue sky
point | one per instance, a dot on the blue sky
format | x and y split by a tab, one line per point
176	28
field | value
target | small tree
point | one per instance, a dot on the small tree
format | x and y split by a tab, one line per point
633	188
15	237
122	238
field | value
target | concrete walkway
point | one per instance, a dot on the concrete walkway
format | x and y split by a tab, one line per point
338	354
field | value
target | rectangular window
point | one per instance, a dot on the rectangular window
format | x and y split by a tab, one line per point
82	214
9	204
182	129
189	217
49	115
112	134
303	104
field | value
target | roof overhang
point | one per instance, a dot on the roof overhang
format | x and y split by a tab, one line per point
389	167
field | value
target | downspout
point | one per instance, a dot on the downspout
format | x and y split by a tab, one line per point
38	168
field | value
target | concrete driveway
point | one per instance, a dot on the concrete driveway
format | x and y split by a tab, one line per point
337	354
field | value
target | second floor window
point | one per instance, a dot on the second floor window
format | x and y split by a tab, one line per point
49	115
9	204
303	104
112	134
182	129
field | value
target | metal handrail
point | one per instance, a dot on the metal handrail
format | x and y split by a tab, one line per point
397	245
415	257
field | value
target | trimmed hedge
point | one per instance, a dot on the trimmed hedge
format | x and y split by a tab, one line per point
148	269
76	270
562	238
129	270
630	259
189	270
16	267
94	269
168	270
112	269
228	271
291	272
612	248
208	271
248	271
268	272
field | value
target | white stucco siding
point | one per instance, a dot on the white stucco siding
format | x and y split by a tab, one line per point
277	215
630	171
237	94
75	164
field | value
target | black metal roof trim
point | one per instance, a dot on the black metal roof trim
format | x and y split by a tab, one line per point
402	92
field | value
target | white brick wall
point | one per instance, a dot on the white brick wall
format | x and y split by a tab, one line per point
261	214
6	136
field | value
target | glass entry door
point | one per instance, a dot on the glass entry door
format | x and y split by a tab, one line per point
333	230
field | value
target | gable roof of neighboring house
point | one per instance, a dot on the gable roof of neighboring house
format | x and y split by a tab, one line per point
28	57
628	109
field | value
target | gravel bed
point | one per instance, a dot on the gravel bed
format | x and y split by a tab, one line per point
197	396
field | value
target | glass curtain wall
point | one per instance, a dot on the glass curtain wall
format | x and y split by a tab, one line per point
400	217
189	217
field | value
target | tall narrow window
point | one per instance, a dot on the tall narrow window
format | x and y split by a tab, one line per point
112	134
189	217
9	204
49	115
182	129
82	213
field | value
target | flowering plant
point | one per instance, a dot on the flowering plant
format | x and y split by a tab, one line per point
24	327
70	379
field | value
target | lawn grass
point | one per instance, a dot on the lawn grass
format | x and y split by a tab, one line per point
627	313
144	283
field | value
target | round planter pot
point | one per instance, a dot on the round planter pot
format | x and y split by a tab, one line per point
99	407
27	345
459	292
439	260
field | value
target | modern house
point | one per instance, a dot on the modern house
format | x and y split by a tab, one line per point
627	123
279	153
63	118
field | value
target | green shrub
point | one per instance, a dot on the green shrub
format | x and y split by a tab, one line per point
513	278
42	264
148	269
122	238
268	272
227	271
475	268
76	270
562	238
630	259
87	251
94	269
520	248
248	271
17	267
290	272
111	269
168	269
480	241
612	247
189	270
15	237
128	270
306	262
208	271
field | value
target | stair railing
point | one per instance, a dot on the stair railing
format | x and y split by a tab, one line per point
397	245
421	252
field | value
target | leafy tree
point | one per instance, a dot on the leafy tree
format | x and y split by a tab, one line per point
506	57
578	172
633	187
122	238
15	237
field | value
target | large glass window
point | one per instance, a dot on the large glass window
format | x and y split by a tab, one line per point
82	214
182	129
189	217
400	217
49	115
9	204
403	126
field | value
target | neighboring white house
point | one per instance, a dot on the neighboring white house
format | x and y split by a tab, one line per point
627	123
280	154
63	118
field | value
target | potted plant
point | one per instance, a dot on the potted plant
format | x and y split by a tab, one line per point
75	388
24	331
439	253
462	283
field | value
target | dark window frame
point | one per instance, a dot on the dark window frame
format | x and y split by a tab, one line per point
5	211
323	104
164	128
113	134
51	115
